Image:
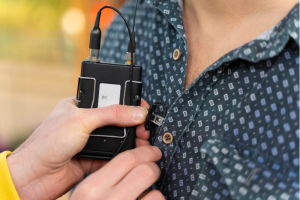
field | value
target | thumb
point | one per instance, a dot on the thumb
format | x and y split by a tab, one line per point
115	115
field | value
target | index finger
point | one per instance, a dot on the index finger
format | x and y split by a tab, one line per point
113	172
144	104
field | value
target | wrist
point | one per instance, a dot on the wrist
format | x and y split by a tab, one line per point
21	175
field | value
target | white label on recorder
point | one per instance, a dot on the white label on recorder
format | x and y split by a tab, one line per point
109	94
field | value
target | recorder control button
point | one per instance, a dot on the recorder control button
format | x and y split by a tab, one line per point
81	92
168	138
176	54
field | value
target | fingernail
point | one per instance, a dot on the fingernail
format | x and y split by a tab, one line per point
138	113
157	151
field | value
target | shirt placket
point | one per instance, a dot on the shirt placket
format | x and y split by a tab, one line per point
175	71
174	81
188	105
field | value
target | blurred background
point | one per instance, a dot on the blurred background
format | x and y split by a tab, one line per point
42	44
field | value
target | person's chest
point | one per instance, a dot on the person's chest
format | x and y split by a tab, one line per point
247	100
239	100
251	104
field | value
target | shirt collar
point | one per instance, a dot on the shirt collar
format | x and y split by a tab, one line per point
270	42
172	11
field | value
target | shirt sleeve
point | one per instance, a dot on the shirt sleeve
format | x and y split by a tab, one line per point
7	188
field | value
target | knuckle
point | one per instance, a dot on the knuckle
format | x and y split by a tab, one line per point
149	153
129	158
116	111
65	100
62	102
149	171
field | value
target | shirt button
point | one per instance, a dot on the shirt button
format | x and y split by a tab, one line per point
176	54
167	138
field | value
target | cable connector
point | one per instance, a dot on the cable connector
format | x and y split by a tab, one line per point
129	50
95	39
128	58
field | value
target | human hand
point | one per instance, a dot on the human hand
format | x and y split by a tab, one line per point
125	177
43	167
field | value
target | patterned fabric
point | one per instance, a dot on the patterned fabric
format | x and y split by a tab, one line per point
236	127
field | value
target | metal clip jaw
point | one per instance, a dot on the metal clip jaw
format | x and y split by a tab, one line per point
153	118
158	120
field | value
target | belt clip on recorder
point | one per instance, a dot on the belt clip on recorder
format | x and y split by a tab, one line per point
102	84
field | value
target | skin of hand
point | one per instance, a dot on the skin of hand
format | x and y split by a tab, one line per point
44	166
125	177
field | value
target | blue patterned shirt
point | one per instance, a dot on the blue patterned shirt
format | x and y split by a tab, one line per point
236	127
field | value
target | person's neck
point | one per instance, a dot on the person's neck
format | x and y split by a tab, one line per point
213	15
215	27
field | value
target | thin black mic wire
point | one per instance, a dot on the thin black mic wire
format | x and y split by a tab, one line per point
129	32
97	21
134	17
